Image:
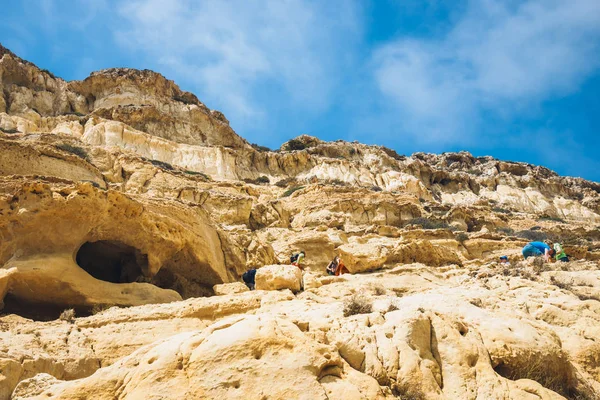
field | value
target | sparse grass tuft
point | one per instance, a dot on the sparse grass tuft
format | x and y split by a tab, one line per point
67	316
392	307
98	308
562	284
405	392
536	368
357	304
378	290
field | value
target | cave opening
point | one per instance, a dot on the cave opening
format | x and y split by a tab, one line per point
112	261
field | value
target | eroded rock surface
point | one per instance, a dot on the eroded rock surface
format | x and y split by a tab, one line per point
128	200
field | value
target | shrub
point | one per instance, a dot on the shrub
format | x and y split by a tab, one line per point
258	181
296	144
392	307
392	153
376	188
533	235
507	231
427	223
202	174
185	98
289	192
78	151
475	172
501	210
285	182
9	131
462	236
260	148
162	165
357	305
68	315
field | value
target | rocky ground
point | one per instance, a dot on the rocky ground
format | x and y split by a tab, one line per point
133	204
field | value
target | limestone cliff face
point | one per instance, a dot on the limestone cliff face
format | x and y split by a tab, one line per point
131	202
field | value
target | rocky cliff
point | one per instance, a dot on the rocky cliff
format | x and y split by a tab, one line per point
130	202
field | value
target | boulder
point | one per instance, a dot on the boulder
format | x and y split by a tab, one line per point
277	277
230	288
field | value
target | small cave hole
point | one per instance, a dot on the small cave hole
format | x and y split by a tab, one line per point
112	261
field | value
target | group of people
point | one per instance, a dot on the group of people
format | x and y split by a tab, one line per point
335	267
541	249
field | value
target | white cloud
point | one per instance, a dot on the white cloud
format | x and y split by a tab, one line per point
232	50
507	57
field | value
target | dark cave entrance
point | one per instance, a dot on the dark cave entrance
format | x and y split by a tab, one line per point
112	261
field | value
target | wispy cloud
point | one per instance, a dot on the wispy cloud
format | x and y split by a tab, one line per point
500	57
232	51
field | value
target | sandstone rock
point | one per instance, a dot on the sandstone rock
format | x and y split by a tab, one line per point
230	288
121	195
276	277
279	361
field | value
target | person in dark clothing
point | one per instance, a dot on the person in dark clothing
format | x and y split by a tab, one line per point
249	277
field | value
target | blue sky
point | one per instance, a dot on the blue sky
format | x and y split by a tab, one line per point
518	80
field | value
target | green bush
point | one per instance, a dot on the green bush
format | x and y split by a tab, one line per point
162	165
202	174
260	148
78	151
462	236
9	131
258	181
501	210
289	192
296	144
